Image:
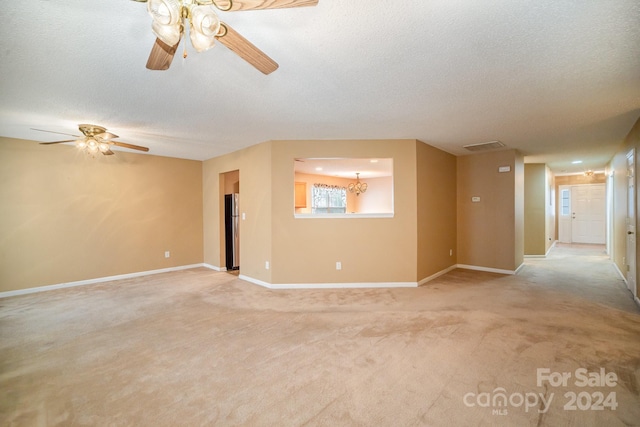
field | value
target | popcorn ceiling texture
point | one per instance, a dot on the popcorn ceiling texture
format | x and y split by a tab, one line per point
548	78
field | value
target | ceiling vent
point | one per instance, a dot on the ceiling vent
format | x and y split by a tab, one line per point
484	146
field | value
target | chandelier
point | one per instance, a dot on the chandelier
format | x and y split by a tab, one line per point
170	18
357	187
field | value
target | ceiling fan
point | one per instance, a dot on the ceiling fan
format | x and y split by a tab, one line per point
96	140
170	18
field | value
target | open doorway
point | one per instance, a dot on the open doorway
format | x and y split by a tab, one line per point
230	186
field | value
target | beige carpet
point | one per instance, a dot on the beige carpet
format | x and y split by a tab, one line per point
204	348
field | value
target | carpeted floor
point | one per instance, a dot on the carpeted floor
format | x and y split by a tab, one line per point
204	348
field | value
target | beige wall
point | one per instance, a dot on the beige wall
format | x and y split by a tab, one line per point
66	216
618	170
518	199
534	209
305	250
254	166
79	218
437	207
539	216
551	208
379	196
491	232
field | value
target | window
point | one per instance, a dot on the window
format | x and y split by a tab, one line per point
565	202
328	199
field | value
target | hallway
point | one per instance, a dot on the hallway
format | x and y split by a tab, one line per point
581	271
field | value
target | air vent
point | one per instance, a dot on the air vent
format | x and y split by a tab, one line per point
484	146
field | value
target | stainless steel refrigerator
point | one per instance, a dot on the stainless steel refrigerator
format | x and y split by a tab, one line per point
232	232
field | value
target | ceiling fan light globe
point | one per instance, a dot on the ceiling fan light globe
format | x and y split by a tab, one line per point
92	148
201	42
205	20
165	12
104	147
169	34
81	143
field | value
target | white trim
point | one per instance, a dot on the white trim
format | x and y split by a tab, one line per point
352	285
328	285
624	279
488	269
213	267
97	280
436	275
637	301
546	253
520	267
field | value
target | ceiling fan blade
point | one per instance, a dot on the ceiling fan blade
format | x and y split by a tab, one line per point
161	55
231	5
107	152
59	133
106	136
246	50
57	142
125	145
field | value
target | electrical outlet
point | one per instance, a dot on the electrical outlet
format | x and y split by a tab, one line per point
167	254
338	265
450	252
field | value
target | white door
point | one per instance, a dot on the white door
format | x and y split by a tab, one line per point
564	214
631	224
588	213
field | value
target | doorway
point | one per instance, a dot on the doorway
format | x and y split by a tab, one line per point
582	214
230	220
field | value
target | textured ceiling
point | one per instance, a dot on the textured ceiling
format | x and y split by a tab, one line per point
557	79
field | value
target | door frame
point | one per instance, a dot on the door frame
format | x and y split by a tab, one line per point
630	229
564	229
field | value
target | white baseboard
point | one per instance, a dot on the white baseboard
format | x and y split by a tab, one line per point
213	267
488	269
622	276
436	275
546	253
328	285
98	280
354	285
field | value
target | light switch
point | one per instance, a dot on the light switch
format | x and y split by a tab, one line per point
244	216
